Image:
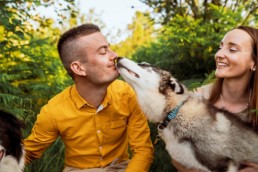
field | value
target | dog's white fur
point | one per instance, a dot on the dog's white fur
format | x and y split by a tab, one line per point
10	164
11	148
201	136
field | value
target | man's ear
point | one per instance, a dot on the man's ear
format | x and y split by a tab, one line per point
78	68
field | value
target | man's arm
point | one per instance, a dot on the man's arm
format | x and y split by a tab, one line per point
139	139
42	135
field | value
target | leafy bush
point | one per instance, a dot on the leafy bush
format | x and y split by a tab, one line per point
186	46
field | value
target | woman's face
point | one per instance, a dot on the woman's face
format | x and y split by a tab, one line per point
234	56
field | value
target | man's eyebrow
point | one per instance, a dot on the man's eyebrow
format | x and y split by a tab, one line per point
103	46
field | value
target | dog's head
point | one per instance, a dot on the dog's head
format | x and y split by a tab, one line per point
153	86
10	136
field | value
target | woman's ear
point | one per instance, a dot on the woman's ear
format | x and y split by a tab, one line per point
253	66
78	68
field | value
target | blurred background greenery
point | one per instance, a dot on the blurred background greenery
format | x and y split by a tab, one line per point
184	43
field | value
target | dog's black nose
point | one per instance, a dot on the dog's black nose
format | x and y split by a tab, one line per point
118	58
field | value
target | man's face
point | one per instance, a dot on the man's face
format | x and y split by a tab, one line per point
100	59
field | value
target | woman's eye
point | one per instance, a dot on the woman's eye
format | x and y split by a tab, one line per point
232	50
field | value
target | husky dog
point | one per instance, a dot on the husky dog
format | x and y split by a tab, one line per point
11	149
197	134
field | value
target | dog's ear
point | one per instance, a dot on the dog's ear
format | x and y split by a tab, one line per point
176	86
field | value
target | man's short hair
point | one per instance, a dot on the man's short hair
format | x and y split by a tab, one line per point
68	47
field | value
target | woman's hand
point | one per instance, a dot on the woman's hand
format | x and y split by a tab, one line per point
251	167
182	168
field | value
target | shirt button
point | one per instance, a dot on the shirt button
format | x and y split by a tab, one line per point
98	131
100	158
100	147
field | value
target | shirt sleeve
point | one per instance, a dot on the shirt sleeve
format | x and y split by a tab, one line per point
42	135
139	139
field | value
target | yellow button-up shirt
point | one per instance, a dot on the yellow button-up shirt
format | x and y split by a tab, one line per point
94	137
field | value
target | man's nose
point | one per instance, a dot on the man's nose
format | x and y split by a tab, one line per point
113	55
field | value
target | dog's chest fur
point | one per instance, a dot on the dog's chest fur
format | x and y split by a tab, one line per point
197	135
179	133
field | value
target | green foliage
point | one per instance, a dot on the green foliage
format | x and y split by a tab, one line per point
192	84
142	33
186	46
31	72
163	11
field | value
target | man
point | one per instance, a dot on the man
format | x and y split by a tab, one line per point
96	117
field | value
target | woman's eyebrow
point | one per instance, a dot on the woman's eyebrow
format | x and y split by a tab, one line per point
230	43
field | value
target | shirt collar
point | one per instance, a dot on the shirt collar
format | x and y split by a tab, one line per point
80	102
76	98
108	97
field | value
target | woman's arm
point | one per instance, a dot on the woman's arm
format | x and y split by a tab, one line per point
182	168
251	167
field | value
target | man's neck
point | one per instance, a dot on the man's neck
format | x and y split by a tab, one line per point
93	94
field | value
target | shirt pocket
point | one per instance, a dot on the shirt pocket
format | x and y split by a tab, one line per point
115	131
118	123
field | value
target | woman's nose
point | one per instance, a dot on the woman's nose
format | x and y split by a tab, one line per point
220	54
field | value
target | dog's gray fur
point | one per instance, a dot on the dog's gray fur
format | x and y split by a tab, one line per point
200	136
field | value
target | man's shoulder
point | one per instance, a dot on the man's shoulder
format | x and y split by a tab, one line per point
120	84
60	98
121	87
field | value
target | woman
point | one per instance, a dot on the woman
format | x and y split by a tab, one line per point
236	85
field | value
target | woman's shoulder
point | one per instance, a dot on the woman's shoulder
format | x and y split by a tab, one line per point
203	91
